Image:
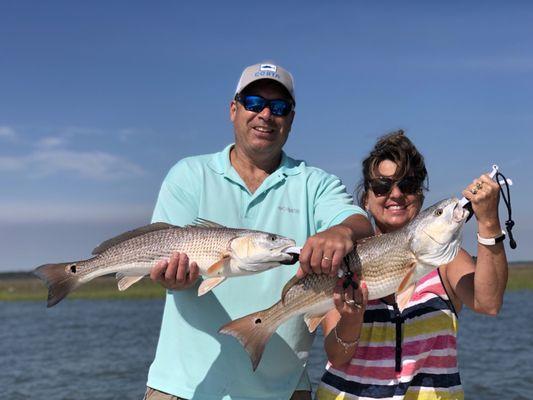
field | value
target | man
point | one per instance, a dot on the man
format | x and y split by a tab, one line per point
250	184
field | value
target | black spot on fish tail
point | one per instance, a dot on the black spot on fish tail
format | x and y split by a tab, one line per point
58	279
252	333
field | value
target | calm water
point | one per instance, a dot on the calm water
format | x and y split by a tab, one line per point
102	350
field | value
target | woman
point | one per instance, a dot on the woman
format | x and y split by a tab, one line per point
374	351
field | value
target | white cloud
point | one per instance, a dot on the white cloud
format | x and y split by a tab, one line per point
95	165
51	141
50	155
7	132
57	212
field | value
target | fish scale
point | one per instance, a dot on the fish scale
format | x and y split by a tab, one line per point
382	275
203	245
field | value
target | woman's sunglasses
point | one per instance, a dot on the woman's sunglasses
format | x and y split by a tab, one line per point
278	107
382	186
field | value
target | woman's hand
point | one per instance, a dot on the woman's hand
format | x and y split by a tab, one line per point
342	326
484	194
350	302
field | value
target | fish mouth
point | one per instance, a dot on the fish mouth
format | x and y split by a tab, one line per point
459	213
293	252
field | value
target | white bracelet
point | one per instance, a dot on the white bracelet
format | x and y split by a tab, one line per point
491	241
345	345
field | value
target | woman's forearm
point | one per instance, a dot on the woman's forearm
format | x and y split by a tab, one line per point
490	278
341	342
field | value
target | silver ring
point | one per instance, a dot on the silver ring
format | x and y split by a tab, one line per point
326	258
473	191
352	303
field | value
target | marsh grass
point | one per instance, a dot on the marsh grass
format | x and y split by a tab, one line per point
25	286
520	276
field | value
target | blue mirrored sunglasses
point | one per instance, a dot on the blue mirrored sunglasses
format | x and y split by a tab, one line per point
278	107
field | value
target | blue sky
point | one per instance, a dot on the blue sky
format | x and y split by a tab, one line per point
99	99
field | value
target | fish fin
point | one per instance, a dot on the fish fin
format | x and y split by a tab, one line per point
408	279
59	281
217	268
209	283
403	297
252	332
287	286
204	223
313	321
406	288
156	226
125	281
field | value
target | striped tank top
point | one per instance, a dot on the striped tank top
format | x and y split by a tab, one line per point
408	355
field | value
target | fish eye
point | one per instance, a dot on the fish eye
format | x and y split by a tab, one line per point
438	212
272	238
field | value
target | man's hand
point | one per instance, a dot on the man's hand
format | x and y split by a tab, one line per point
324	252
175	273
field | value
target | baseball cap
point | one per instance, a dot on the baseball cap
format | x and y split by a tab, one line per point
266	71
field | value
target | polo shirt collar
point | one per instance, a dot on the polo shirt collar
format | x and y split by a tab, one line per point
220	164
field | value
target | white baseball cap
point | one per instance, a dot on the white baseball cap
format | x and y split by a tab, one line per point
266	71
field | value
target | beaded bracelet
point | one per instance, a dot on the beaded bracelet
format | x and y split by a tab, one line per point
345	345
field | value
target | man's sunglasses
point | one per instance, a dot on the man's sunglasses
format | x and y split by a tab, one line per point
278	107
383	186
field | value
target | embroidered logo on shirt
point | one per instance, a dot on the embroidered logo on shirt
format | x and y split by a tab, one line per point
289	209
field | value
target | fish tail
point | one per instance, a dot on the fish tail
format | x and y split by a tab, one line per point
61	279
253	332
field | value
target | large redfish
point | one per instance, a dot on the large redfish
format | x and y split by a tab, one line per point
389	263
220	252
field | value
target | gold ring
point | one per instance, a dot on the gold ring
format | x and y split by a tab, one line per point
478	185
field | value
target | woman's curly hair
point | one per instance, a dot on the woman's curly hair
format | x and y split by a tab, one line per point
397	147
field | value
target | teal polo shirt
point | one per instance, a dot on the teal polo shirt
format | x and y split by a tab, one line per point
193	360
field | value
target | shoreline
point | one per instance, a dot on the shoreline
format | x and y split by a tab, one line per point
24	286
27	287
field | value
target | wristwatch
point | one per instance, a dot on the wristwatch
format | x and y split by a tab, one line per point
491	241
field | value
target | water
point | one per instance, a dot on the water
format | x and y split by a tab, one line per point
102	350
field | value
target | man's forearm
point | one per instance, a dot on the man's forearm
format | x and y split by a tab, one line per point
359	226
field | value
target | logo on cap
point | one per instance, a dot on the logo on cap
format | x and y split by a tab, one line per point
268	67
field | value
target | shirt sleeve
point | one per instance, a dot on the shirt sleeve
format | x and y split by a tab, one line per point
332	203
177	203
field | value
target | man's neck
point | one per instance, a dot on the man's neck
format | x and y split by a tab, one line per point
253	170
